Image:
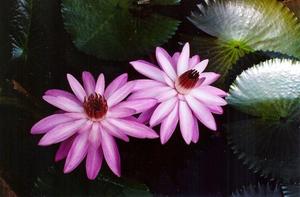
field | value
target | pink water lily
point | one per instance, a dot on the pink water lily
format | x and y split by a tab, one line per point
89	119
183	91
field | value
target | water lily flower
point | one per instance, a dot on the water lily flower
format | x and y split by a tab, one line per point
184	93
88	121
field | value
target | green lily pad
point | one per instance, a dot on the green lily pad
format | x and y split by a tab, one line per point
270	90
258	190
20	25
54	183
292	190
117	29
36	43
238	27
268	148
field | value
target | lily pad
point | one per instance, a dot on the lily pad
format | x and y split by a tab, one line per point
258	190
238	27
268	148
54	183
270	90
292	190
117	29
20	25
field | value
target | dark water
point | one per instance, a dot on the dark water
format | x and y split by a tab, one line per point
208	168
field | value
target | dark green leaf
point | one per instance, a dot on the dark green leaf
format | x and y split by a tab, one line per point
291	190
54	183
268	148
117	29
238	27
258	190
162	2
34	39
20	24
270	90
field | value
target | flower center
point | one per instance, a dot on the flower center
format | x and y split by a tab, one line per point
95	106
188	81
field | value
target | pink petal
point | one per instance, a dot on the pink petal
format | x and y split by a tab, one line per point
49	122
200	67
111	153
143	84
195	130
210	77
77	152
165	62
202	113
88	82
120	112
169	81
186	120
149	93
86	127
183	60
100	85
76	87
175	58
95	135
63	103
115	85
63	149
133	128
114	131
214	90
145	116
215	109
139	105
149	70
163	96
162	111
76	115
62	93
168	125
207	98
193	61
61	132
120	94
93	163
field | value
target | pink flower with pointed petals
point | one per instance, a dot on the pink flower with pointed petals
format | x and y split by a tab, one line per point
91	119
183	91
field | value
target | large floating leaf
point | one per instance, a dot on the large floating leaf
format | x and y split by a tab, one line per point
35	42
20	25
55	183
238	27
258	190
270	90
268	148
117	29
292	190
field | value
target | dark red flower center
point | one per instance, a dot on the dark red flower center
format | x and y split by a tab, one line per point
95	106
187	81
